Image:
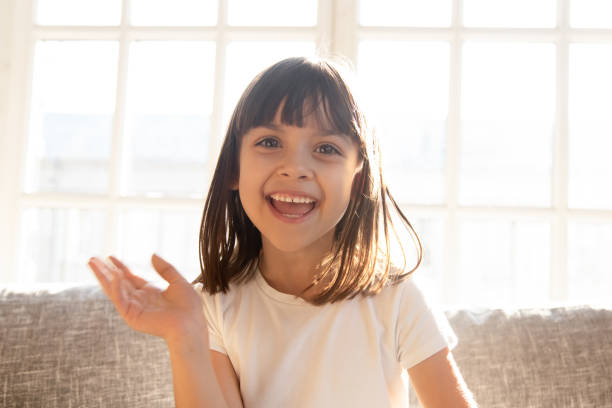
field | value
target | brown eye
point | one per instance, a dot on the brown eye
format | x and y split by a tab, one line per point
327	149
268	142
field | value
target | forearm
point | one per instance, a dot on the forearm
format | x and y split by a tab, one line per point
195	383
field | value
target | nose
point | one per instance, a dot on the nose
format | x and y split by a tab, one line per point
296	164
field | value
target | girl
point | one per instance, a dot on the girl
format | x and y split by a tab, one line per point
298	303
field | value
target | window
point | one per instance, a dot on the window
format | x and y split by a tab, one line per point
493	117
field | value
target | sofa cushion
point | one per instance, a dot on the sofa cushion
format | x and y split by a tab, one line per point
560	357
71	349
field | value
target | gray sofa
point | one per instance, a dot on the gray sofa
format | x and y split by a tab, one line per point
69	348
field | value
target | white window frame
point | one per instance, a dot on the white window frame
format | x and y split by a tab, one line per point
339	32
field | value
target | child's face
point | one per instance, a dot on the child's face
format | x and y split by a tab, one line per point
281	163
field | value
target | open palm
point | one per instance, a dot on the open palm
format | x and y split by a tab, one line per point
146	308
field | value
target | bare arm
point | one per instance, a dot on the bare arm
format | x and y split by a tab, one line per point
228	380
194	379
438	382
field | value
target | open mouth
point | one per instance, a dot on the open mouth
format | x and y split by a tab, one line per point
291	207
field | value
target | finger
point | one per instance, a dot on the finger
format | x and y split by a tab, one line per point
166	270
104	277
114	284
120	274
137	281
119	296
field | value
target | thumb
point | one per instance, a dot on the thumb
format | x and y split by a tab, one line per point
166	270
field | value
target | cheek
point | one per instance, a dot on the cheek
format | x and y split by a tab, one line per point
342	184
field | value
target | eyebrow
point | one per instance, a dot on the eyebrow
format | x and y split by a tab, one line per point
322	132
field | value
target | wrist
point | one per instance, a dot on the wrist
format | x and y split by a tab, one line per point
190	336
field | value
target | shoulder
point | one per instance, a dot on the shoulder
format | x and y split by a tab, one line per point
221	301
405	290
421	327
399	302
411	297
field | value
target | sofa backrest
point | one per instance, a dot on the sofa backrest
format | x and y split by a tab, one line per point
560	357
71	348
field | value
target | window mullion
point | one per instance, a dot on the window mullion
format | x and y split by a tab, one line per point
559	283
451	244
217	131
345	35
118	143
325	26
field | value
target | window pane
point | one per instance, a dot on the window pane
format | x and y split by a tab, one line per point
170	88
509	13
78	12
590	126
170	234
245	59
406	84
71	122
503	262
56	244
173	12
591	13
508	104
272	12
415	13
589	261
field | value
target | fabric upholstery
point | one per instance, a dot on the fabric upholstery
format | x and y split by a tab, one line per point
71	349
559	357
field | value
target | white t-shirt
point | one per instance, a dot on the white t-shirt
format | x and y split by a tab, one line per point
289	353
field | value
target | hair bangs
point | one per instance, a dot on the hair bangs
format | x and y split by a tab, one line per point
300	90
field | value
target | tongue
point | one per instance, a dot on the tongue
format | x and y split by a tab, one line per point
292	208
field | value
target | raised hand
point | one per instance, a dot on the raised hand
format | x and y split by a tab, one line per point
171	313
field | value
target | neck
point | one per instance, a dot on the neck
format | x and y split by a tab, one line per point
292	272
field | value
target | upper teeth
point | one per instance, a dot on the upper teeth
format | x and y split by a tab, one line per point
291	199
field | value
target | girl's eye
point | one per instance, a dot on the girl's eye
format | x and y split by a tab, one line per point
267	142
327	149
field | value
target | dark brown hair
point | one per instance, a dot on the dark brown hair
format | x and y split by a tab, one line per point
229	244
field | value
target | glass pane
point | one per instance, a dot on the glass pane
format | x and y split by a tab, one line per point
78	12
414	13
406	84
591	13
71	122
508	105
173	12
509	13
590	126
56	244
170	234
503	263
284	13
589	261
245	59
170	89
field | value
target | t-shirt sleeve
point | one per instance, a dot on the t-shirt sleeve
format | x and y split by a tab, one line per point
421	329
213	315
